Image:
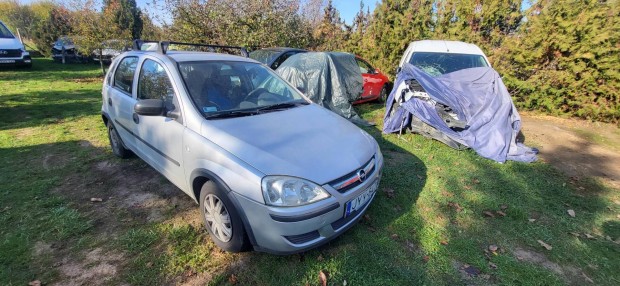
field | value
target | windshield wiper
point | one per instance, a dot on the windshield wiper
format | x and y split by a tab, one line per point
231	114
283	105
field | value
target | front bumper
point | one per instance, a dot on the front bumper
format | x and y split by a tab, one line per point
287	230
19	62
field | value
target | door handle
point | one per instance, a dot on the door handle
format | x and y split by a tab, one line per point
109	101
136	118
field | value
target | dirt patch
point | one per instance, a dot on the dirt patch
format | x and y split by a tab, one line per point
576	147
571	275
97	268
132	193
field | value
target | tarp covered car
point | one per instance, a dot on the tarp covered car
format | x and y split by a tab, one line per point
465	108
330	79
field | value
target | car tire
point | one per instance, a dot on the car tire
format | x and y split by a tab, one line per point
116	143
222	220
383	95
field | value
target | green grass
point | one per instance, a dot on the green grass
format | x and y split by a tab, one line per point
417	237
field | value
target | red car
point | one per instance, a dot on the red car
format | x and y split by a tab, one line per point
376	84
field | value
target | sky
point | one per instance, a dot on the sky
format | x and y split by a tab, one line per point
347	8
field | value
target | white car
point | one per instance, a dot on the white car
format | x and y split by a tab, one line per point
12	50
440	57
270	169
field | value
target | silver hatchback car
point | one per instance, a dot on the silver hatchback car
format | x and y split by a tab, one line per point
271	170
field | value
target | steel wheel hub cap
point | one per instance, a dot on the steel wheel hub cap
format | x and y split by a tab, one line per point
217	217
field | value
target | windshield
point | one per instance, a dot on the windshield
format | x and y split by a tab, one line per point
436	64
264	56
5	33
226	87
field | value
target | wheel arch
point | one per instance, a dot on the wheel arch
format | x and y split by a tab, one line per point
199	177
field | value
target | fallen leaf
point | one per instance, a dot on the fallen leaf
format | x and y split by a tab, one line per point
471	270
320	258
488	214
589	236
455	206
232	279
96	199
608	238
34	283
149	264
323	278
389	193
492	265
430	157
547	246
571	213
467	187
503	207
344	283
367	218
426	258
443	242
588	279
532	219
493	247
420	177
500	213
476	181
394	236
576	234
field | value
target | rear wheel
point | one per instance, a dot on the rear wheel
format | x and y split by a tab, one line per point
383	95
116	143
222	219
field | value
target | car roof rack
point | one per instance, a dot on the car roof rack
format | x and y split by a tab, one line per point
162	46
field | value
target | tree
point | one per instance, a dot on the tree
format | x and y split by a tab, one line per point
56	23
565	59
126	15
92	28
329	35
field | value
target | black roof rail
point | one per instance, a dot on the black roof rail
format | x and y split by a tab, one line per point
162	46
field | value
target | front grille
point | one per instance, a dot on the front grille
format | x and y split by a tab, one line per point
352	180
10	53
303	238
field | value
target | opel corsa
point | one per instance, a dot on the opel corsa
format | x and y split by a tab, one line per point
271	170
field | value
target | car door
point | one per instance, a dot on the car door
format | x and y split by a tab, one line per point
372	82
160	136
120	100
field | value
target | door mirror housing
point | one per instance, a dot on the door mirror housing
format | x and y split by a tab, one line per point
150	107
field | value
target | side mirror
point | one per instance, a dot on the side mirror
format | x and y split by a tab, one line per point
150	107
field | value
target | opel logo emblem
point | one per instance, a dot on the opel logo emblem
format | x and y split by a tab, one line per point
361	175
3	52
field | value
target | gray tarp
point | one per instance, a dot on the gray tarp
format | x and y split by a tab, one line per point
478	97
332	80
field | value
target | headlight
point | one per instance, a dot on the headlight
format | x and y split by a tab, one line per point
283	191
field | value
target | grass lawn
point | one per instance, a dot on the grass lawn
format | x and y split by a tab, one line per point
440	217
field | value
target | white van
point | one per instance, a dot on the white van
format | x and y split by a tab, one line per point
12	50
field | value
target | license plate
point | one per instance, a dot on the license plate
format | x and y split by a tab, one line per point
361	200
7	61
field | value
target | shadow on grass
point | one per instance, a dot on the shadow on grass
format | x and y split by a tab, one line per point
37	108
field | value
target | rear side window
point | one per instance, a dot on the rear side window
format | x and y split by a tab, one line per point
153	83
123	77
364	66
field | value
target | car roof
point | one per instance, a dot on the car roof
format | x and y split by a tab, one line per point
188	56
442	46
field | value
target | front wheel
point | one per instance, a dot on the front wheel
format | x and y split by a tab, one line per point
222	219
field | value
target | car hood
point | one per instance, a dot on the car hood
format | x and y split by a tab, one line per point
309	142
10	44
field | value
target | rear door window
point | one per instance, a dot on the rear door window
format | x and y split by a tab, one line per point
364	66
123	77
